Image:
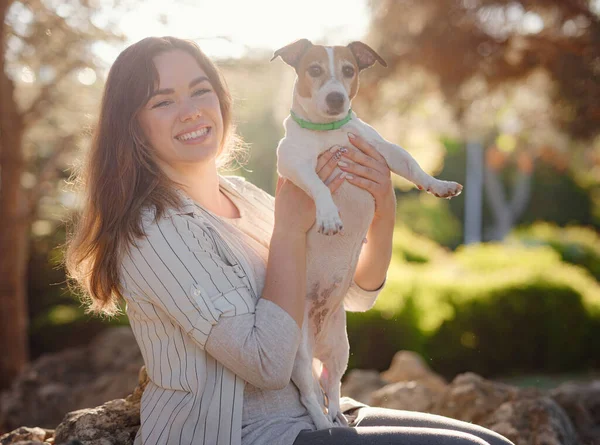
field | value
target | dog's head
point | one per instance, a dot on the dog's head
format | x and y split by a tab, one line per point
327	75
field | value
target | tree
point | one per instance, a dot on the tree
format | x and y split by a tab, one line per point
520	77
45	47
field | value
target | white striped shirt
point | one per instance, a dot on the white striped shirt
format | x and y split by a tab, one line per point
190	279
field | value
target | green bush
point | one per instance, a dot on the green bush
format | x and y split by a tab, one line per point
431	217
491	308
576	245
57	319
374	336
411	247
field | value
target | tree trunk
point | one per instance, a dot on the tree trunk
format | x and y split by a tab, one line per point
14	230
506	213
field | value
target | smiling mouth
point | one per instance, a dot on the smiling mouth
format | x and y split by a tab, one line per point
193	136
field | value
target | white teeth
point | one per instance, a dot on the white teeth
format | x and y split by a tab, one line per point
193	134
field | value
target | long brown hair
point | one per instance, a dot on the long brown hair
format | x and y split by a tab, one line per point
120	177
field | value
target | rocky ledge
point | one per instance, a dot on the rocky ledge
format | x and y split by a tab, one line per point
566	415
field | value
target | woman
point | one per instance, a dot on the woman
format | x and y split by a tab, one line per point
191	252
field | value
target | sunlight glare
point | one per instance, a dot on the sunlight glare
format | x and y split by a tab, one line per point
532	23
243	26
86	76
27	75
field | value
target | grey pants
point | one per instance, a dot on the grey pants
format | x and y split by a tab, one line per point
381	426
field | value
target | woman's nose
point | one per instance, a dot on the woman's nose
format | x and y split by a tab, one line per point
190	111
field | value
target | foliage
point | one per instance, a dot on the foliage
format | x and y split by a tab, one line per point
257	88
495	309
491	308
431	217
575	245
413	247
519	76
498	41
45	53
57	318
556	195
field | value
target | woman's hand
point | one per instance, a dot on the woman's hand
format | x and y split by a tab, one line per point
367	169
294	209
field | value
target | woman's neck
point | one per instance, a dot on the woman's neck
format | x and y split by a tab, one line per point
202	185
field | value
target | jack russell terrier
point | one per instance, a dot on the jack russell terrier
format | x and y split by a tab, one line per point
320	118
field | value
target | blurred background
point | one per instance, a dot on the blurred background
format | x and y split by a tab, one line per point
502	96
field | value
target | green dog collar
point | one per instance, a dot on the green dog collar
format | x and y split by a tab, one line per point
322	127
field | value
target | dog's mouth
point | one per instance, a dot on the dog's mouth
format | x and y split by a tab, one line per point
335	112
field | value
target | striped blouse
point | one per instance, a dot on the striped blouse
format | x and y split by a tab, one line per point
192	290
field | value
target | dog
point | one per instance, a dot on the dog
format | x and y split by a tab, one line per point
321	118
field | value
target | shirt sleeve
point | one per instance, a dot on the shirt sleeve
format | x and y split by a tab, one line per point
177	268
360	300
260	348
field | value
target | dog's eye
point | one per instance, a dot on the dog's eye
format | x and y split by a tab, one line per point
315	71
348	71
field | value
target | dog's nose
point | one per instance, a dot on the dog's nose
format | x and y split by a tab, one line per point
335	100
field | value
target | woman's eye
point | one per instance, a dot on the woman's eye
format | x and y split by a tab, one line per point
348	71
200	92
161	104
315	71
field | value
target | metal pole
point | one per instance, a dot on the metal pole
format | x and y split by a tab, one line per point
473	193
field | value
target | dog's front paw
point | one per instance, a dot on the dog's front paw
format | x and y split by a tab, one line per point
445	189
328	221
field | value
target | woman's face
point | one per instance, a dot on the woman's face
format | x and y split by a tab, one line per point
182	120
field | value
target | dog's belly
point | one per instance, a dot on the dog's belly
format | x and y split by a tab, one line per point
331	260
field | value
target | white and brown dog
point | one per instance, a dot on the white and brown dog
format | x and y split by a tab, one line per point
320	118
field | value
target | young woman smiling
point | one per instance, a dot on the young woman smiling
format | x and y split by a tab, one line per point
212	269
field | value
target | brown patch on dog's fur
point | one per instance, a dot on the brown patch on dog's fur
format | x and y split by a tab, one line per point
318	311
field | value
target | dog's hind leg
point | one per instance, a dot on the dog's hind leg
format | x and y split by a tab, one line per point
333	351
302	376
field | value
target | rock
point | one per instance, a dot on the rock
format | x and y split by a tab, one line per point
28	442
471	398
410	396
72	379
533	421
525	416
114	423
409	366
581	402
360	384
26	435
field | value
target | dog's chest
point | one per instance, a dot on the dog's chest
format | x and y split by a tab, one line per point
331	260
327	139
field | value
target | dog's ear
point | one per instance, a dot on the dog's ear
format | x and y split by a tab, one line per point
292	53
365	56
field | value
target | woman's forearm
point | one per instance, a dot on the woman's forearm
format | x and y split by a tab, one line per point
285	282
376	255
